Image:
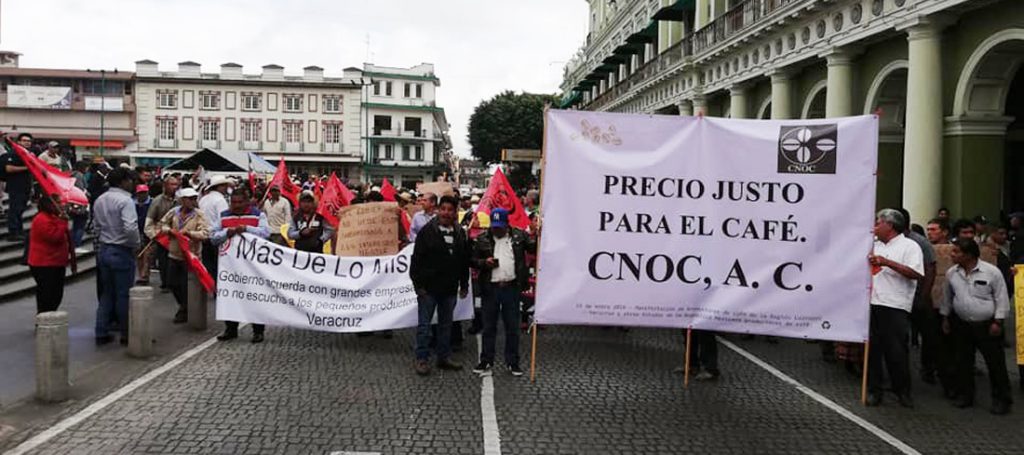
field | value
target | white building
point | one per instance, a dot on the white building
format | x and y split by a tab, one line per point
405	133
313	121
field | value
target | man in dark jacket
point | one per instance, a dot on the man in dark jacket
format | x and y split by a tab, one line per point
500	255
439	270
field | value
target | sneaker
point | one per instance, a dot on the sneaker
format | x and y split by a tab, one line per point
422	367
226	336
257	338
483	368
515	370
447	364
705	376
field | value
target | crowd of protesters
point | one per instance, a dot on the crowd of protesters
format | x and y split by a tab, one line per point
943	288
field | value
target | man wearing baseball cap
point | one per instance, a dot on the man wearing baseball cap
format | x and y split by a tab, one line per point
191	222
500	256
142	203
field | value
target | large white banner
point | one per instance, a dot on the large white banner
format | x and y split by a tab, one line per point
260	282
39	97
747	226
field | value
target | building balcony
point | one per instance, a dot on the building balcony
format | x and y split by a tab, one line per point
250	145
401	134
208	144
165	143
292	147
332	147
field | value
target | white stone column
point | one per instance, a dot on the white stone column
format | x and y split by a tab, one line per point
839	93
922	153
782	95
700	105
738	101
685	108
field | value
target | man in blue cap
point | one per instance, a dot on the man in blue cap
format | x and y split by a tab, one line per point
500	256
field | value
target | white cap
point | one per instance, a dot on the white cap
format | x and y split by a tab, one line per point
187	192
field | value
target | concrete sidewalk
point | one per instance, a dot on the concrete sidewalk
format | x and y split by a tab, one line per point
94	369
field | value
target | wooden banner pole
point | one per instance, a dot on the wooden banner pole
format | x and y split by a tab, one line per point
533	355
864	379
686	366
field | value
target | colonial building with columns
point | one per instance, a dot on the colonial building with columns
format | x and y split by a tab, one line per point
944	75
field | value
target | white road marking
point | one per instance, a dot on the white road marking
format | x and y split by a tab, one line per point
355	453
871	428
492	437
98	406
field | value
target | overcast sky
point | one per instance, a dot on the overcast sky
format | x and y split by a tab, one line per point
478	47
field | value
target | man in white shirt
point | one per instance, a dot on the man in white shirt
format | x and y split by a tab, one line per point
896	264
213	204
500	256
279	213
974	306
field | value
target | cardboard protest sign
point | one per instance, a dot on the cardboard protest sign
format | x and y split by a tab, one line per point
368	230
438	188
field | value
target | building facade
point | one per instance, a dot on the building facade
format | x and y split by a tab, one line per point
944	76
311	120
77	108
405	133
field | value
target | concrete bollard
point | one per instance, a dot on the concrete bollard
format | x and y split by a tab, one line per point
196	304
140	322
52	356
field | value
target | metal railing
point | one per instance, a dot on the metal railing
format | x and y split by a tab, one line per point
734	21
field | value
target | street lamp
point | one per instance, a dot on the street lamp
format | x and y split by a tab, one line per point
103	107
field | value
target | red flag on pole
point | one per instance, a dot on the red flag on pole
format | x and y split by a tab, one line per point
500	194
194	264
336	195
388	191
282	180
51	180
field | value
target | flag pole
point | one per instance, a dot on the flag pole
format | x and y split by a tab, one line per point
864	378
686	366
533	354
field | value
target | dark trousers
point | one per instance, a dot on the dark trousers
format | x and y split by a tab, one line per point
232	327
116	273
163	265
937	351
503	303
49	287
177	281
444	305
969	338
704	351
890	333
17	202
78	223
209	256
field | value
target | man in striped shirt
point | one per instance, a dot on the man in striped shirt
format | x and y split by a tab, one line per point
241	219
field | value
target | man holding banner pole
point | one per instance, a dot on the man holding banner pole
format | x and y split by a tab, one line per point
439	270
896	264
241	219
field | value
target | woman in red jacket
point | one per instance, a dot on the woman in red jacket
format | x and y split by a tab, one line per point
49	253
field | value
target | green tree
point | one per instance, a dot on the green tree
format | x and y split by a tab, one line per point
508	121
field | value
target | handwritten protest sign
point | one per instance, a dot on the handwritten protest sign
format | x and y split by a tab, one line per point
437	188
368	230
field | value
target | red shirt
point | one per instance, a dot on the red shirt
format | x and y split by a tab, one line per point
49	239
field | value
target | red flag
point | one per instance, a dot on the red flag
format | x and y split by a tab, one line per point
252	182
194	264
388	191
500	194
51	180
281	180
406	222
336	195
318	189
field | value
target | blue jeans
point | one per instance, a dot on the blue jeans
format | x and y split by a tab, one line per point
78	223
501	302
445	306
116	275
17	202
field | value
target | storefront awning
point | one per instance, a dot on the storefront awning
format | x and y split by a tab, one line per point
569	99
676	12
96	143
628	49
645	36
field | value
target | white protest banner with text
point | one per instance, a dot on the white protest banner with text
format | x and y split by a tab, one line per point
744	226
260	282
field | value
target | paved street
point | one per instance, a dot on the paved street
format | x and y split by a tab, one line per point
597	391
